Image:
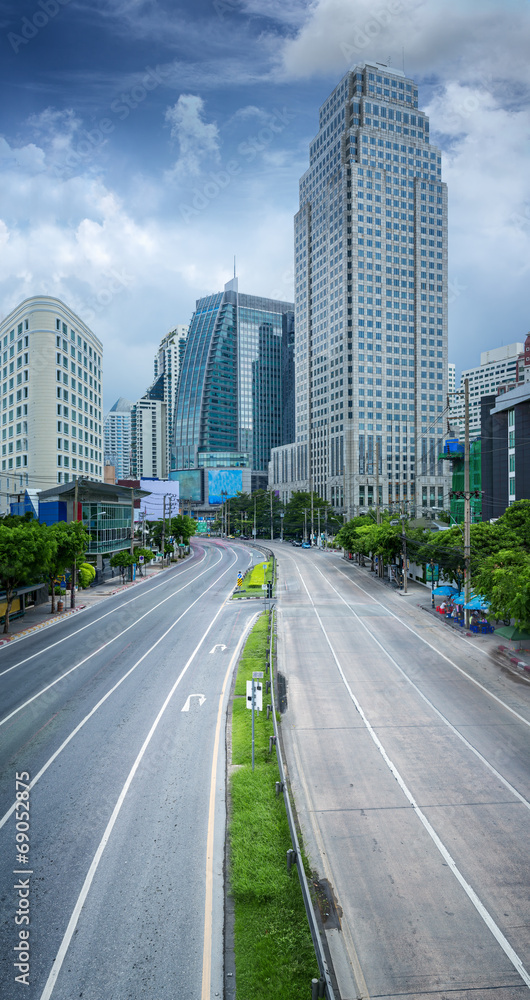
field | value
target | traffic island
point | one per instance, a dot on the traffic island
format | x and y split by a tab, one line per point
273	949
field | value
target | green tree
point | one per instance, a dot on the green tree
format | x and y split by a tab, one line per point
504	580
182	527
25	553
148	555
516	521
69	543
297	519
85	574
349	536
122	560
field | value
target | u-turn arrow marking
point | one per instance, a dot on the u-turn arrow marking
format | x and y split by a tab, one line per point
201	697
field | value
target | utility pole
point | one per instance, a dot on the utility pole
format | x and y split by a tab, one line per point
254	532
377	454
132	521
272	523
74	567
467	498
305	524
163	527
318	515
312	528
404	550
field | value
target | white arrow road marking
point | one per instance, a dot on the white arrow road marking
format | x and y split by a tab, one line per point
218	645
201	697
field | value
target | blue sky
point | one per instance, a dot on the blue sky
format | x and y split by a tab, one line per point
143	144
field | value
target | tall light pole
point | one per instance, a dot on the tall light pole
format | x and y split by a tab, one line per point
467	498
404	552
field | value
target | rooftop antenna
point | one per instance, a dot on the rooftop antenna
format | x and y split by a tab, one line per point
234	265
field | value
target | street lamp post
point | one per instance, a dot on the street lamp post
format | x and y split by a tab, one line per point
282	514
432	583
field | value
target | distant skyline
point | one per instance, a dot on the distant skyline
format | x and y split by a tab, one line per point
144	144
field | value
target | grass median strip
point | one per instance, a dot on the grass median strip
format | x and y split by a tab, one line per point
274	953
254	579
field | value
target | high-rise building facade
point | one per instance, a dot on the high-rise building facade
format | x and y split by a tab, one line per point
497	368
371	301
153	415
117	438
229	401
168	362
50	397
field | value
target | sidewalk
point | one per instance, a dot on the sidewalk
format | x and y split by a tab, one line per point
517	661
40	617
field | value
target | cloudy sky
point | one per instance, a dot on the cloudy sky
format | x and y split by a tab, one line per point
145	143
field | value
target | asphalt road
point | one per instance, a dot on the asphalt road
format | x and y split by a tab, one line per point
409	754
117	716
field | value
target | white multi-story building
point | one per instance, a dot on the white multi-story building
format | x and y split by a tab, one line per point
371	300
149	438
168	363
51	417
117	438
497	368
152	417
451	378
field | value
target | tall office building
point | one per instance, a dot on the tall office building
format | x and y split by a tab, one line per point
50	397
497	368
117	438
152	416
168	363
229	401
370	302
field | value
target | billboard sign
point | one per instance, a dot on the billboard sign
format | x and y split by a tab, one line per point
223	484
190	484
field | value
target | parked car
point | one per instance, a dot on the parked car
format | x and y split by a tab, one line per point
296	542
306	545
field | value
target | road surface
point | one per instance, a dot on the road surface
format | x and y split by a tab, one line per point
113	721
409	754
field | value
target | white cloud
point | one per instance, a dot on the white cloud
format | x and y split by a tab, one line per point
198	140
476	42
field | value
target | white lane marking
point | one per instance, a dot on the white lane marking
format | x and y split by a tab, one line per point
201	697
100	619
104	646
218	645
453	729
72	923
446	658
208	898
510	953
75	731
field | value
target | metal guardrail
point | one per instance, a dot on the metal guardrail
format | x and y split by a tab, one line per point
322	987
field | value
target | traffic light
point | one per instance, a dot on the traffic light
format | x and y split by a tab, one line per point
269	590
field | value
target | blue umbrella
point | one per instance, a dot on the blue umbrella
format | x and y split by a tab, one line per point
459	599
477	604
444	591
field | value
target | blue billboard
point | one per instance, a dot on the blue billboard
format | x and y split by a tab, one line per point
190	483
223	484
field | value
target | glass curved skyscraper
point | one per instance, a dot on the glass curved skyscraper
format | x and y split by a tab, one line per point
229	404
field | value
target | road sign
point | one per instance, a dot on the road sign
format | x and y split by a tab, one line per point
258	695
